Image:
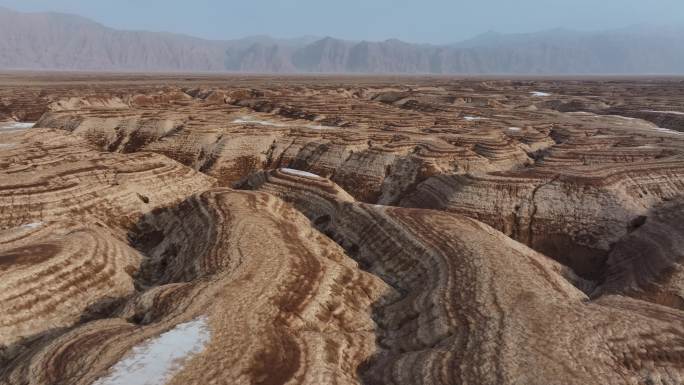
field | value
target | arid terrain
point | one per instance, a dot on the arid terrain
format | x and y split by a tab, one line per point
190	229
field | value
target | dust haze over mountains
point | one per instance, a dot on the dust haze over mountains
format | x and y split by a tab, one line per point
52	41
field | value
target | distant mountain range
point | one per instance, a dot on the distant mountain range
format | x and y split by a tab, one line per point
52	41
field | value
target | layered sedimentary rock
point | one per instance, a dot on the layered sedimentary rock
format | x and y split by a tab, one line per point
647	262
412	144
55	273
121	260
575	217
48	176
282	303
230	141
65	210
470	305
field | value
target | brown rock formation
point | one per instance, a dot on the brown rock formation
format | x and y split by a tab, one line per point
54	273
535	237
492	311
64	211
48	176
574	217
647	262
283	303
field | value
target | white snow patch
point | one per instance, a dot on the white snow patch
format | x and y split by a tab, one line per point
514	128
250	120
33	225
473	118
7	145
319	127
665	112
583	113
592	115
157	360
10	126
668	131
292	171
540	94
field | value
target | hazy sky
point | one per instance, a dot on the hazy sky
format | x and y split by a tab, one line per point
430	21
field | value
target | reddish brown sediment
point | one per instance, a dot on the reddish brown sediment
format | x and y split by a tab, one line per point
348	230
474	306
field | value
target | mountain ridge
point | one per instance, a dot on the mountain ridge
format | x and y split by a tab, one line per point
57	41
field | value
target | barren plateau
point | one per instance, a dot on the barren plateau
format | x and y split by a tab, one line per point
190	229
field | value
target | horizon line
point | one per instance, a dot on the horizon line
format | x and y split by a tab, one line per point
319	37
